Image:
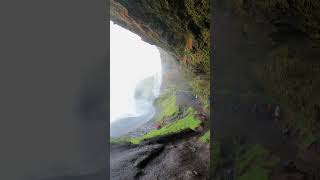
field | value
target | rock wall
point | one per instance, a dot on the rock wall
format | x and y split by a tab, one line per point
178	27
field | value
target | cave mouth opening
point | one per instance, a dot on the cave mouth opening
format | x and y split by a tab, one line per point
135	80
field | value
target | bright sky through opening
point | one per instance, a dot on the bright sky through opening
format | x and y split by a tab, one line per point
131	60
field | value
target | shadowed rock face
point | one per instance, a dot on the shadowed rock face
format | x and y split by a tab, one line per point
179	27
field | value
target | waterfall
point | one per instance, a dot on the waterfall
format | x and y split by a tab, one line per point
135	80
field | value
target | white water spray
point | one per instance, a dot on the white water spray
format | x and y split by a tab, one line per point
131	61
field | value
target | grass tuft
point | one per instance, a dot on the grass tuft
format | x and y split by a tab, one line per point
205	138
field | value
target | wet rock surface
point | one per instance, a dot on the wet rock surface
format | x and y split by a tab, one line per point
176	156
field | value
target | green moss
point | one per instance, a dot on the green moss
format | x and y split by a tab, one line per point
205	138
198	10
167	106
256	173
255	162
255	155
199	62
119	140
188	122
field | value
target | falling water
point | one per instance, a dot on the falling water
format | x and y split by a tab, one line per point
132	62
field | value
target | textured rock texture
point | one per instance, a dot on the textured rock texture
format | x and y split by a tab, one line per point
179	27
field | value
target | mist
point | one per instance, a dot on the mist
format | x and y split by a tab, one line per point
132	62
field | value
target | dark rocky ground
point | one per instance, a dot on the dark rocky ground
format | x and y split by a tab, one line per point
177	156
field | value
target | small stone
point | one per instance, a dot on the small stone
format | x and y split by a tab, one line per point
194	149
189	174
195	173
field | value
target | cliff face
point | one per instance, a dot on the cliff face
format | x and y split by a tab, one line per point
178	27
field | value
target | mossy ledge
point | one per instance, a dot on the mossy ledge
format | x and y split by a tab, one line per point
188	121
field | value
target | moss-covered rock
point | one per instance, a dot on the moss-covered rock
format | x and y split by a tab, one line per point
201	87
189	121
205	138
